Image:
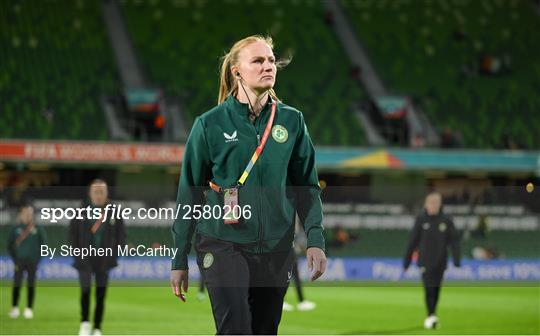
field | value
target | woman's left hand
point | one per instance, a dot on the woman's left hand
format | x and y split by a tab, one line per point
316	260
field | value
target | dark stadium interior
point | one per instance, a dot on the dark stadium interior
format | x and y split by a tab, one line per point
401	97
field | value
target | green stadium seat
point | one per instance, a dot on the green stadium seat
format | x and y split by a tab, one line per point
417	50
54	55
179	43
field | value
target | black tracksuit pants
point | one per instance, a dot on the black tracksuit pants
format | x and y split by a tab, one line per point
85	281
432	279
246	290
30	269
297	280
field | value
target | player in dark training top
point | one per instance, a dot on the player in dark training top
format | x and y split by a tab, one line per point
433	233
24	244
103	232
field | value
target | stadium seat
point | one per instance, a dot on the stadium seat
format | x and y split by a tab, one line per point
56	63
432	51
167	36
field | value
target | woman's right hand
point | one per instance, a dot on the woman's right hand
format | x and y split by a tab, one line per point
179	282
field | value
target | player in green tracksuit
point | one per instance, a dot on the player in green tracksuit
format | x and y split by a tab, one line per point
24	244
247	262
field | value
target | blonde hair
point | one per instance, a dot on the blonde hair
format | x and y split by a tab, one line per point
227	83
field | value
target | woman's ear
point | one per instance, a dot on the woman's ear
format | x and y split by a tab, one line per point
235	72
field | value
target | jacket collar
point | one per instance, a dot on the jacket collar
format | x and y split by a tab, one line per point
440	213
243	108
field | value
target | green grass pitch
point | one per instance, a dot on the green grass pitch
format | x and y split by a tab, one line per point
352	309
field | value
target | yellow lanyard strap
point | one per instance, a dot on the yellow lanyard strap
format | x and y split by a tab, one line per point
259	148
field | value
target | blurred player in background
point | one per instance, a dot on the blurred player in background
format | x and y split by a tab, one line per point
24	245
247	262
101	233
300	243
432	234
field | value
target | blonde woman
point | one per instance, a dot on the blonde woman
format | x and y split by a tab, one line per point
248	167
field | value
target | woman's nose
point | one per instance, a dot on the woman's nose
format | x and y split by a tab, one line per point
267	66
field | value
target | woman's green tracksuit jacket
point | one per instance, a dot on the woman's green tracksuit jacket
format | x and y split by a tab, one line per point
282	182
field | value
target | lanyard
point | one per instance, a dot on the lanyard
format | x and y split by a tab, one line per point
97	224
259	148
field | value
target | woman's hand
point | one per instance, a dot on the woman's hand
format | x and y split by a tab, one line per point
179	282
316	260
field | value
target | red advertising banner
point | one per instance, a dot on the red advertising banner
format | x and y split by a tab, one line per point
90	152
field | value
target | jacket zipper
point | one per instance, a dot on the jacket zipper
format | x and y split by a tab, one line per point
261	211
260	235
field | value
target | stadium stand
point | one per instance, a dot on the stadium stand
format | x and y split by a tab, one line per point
352	229
319	80
473	66
494	231
56	63
363	242
392	243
